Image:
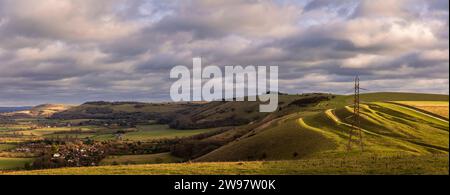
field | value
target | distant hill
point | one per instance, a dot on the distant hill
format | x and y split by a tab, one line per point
188	115
14	109
199	115
40	111
122	110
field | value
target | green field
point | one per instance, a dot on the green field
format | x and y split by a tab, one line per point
4	147
152	132
140	159
13	163
140	133
410	165
13	127
53	130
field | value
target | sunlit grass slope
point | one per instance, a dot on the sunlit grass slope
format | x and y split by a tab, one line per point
140	159
282	140
387	129
364	164
439	108
321	131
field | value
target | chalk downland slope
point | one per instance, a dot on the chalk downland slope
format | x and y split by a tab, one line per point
322	131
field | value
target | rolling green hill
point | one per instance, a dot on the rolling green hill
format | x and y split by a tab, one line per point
322	130
310	135
118	110
198	115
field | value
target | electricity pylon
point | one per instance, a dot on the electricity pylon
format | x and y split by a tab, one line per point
356	122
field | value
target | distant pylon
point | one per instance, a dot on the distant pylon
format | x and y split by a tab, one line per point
356	122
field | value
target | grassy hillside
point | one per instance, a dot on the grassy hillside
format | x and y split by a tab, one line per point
118	110
309	134
385	130
232	113
322	130
140	159
410	165
281	140
199	115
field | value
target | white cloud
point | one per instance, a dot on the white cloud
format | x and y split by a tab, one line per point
396	33
435	54
363	61
66	19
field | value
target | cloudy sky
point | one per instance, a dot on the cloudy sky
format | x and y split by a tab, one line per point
71	51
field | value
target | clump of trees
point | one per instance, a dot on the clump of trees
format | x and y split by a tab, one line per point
191	149
198	145
309	101
186	122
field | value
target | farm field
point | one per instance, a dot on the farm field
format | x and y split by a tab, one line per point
55	130
440	108
14	163
152	132
140	133
409	165
13	127
399	96
6	147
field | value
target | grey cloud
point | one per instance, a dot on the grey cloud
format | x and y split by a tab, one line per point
439	5
81	50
